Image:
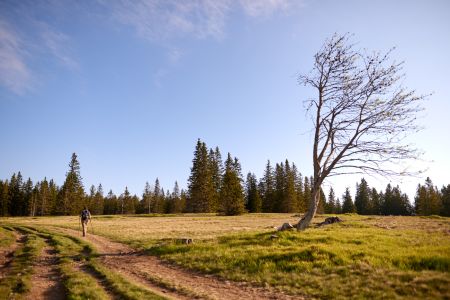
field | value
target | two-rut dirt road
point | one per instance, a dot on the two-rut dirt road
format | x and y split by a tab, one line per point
169	280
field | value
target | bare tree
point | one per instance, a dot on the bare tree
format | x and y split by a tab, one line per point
361	115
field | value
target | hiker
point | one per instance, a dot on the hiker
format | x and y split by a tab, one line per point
85	217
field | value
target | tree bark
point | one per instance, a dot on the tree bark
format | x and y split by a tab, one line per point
312	208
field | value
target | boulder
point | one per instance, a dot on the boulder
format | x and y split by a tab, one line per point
330	220
186	241
285	226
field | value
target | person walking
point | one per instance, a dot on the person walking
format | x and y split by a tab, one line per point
85	217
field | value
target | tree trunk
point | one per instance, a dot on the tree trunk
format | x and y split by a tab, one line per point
312	208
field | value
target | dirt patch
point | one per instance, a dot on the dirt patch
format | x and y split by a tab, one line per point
133	264
7	254
46	280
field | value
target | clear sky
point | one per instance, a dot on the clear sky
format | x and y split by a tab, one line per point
130	86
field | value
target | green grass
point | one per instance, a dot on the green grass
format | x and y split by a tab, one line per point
7	238
18	280
363	257
349	260
120	285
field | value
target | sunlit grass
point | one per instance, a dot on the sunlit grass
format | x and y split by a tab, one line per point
363	257
18	278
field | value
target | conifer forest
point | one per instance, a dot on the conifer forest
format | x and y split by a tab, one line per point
215	185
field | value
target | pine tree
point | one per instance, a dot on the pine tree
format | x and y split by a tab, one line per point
231	193
362	198
267	190
306	190
301	203
348	206
216	171
53	197
71	196
111	204
290	201
98	201
201	187
4	198
127	203
16	196
147	198
376	200
428	199
279	188
338	208
330	207
445	196
252	198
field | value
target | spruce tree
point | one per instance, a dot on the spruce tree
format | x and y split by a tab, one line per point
428	200
301	202
16	196
4	198
231	192
445	196
111	204
279	188
362	198
290	201
200	184
98	202
330	207
147	198
252	197
268	189
348	206
216	172
71	196
376	200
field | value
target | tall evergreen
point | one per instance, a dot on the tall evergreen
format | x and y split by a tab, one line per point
200	184
4	198
427	200
231	192
158	198
267	189
376	200
216	172
16	197
330	206
98	202
362	198
301	203
252	197
290	201
445	196
147	196
71	196
348	206
278	200
111	204
307	189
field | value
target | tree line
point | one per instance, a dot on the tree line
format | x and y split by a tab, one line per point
215	186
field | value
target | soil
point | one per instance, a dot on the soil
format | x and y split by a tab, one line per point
6	254
46	281
189	284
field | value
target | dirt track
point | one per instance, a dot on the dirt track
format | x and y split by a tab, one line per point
169	280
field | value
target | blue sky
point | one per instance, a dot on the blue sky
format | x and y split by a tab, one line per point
131	86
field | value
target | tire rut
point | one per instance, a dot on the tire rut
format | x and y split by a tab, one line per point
46	279
136	265
7	254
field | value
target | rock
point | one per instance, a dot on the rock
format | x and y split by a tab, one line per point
285	226
273	236
330	220
186	241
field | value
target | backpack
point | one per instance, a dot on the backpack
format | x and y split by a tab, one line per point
84	214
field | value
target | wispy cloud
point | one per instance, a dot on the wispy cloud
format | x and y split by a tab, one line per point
21	47
258	8
14	72
163	19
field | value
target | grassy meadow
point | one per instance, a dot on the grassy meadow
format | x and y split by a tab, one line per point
362	257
